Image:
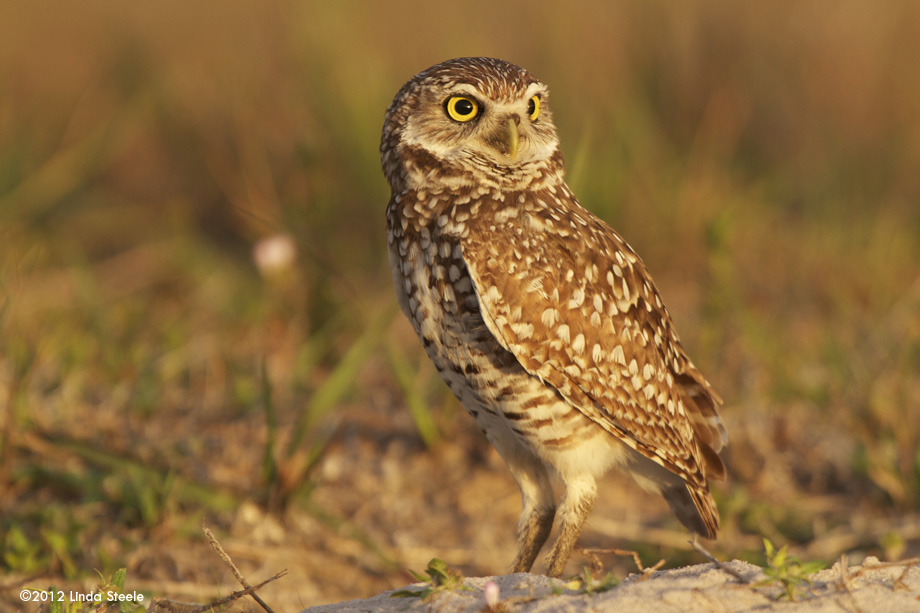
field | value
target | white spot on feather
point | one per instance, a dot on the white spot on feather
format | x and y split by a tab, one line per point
505	214
464	285
536	286
523	331
633	367
597	354
563	333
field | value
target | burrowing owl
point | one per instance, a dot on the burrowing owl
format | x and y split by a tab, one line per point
545	324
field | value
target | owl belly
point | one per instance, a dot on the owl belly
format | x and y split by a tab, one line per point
519	414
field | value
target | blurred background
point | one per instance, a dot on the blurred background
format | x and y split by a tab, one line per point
197	323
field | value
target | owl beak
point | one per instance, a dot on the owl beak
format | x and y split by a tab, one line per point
506	137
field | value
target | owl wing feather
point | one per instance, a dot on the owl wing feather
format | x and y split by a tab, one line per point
563	292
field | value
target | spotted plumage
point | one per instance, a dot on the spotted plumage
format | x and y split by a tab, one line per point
540	318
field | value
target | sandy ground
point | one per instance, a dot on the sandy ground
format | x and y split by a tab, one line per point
869	588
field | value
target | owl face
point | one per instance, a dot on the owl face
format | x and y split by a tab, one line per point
469	119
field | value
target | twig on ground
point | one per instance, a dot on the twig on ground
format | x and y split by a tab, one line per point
844	584
598	566
178	607
216	546
720	565
899	582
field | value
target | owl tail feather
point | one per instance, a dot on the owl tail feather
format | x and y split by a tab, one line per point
695	509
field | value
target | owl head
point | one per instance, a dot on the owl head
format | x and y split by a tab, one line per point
470	121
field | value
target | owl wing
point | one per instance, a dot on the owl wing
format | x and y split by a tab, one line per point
566	295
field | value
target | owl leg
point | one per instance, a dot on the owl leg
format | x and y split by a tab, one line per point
539	509
577	503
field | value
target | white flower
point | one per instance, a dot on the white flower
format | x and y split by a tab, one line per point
491	594
274	254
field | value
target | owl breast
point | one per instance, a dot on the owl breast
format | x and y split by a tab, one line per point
436	292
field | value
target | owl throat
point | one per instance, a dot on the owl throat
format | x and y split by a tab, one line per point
464	171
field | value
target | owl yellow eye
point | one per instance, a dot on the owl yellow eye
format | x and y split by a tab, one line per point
461	108
533	108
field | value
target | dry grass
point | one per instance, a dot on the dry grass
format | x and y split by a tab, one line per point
761	157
